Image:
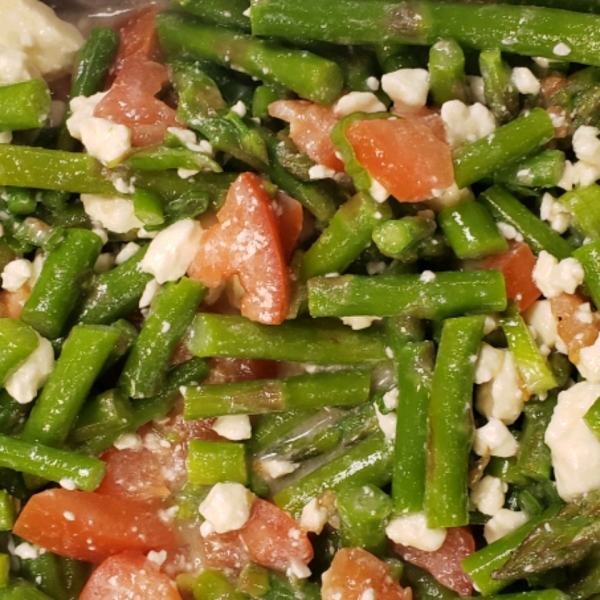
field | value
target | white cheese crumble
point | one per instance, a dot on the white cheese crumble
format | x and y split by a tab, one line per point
321	172
589	362
226	508
188	139
233	427
488	495
407	86
28	551
390	399
579	173
542	323
509	232
368	594
451	196
5	137
276	468
297	569
107	141
25	382
126	252
502	523
111	212
313	517
553	277
373	83
129	441
412	530
586	144
495	439
427	277
377	191
561	49
172	250
33	28
575	449
353	102
105	262
387	423
489	363
525	81
466	123
503	396
476	87
15	66
360	322
16	274
554	213
152	288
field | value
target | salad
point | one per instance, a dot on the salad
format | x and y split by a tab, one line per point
299	301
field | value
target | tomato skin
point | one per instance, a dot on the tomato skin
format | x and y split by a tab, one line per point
289	216
246	242
354	571
270	538
403	155
89	526
310	129
129	576
516	264
444	564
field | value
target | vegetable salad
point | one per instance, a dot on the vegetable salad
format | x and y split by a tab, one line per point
299	300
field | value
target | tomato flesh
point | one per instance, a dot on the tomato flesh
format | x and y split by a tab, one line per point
516	264
403	155
246	242
310	129
444	564
130	576
89	526
354	572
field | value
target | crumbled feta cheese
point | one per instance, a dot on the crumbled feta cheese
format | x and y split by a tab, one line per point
239	108
579	173
476	87
557	215
407	86
525	81
126	252
387	423
353	102
129	441
466	123
28	551
451	196
589	362
104	140
297	569
16	274
575	449
158	558
542	322
373	83
488	495
67	484
503	396
553	277
172	250
111	212
320	172
489	363
187	173
226	508
33	28
368	594
152	288
509	232
25	382
376	267
313	517
188	139
427	277
490	324
502	523
361	322
412	530
390	399
105	262
495	439
561	49
377	191
586	144
233	427
276	468
15	66
5	137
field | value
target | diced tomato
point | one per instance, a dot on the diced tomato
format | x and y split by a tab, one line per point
444	564
137	38
270	538
131	101
354	572
289	215
310	129
425	114
230	370
273	538
572	330
89	526
134	474
246	242
403	155
130	576
516	264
